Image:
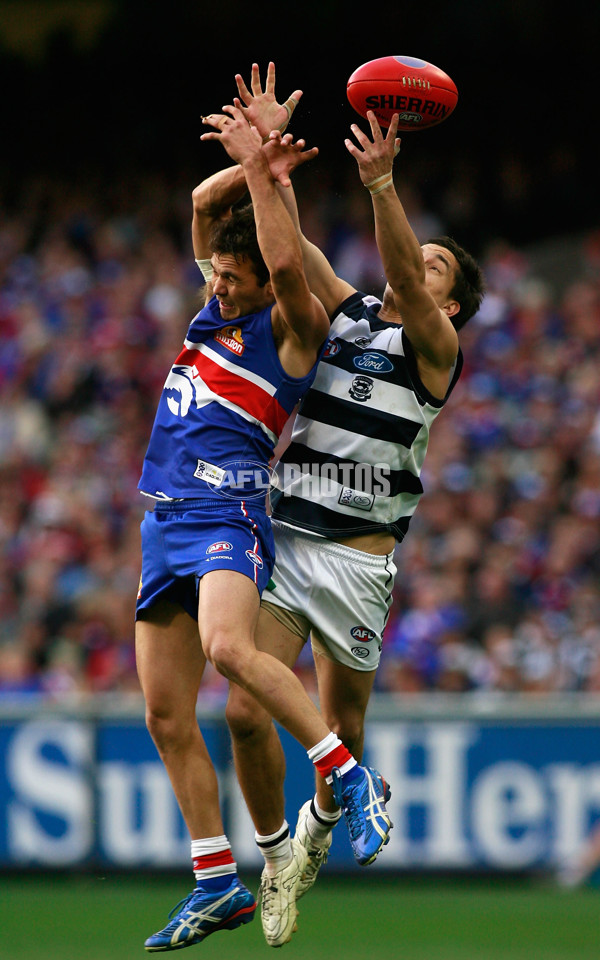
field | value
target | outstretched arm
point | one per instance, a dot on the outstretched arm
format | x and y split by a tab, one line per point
429	328
214	197
212	200
322	279
271	119
303	315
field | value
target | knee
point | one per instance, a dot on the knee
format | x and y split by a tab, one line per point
226	656
168	728
159	726
246	719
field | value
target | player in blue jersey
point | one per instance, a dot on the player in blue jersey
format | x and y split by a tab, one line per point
348	485
207	549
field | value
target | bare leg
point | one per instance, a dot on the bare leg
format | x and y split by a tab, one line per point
257	752
344	696
228	614
170	665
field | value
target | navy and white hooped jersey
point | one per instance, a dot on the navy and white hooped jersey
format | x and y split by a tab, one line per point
361	433
223	406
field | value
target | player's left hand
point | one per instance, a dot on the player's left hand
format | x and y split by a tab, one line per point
260	107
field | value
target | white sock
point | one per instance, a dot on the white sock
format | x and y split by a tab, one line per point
276	848
320	822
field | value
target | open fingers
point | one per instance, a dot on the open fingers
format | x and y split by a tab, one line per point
242	88
393	127
255	81
270	86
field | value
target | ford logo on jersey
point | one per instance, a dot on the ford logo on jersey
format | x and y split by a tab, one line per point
376	362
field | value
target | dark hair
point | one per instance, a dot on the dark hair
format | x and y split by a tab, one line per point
237	236
469	282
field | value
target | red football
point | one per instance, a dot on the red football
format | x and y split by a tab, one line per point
421	93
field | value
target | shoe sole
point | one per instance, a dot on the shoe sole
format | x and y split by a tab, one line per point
245	915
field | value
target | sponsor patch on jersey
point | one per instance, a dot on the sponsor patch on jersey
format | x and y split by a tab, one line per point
254	558
361	388
332	348
231	337
354	498
373	362
361	652
220	546
362	634
363	342
209	472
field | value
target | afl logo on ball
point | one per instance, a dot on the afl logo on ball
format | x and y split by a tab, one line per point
362	634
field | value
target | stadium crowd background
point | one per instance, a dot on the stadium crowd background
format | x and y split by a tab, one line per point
499	577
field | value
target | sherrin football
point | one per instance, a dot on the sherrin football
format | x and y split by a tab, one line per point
420	92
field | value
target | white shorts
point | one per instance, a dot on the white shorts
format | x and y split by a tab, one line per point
339	595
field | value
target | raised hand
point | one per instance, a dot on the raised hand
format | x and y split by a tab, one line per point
261	108
375	157
239	139
284	155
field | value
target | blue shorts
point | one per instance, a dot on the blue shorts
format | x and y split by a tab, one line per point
181	541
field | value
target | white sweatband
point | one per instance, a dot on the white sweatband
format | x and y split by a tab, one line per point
206	269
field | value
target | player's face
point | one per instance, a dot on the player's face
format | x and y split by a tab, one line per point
440	269
237	289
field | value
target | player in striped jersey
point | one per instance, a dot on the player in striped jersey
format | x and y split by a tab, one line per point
349	482
207	551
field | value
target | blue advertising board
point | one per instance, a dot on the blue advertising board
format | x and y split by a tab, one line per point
504	794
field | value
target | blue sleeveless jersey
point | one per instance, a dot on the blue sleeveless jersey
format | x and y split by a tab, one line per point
222	409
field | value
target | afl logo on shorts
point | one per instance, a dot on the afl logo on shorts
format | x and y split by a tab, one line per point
219	547
254	558
362	634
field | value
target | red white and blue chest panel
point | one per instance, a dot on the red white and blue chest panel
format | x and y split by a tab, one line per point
223	406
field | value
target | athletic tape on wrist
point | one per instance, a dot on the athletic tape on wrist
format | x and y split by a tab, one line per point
206	269
379	183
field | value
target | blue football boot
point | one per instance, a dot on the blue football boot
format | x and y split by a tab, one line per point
363	800
202	913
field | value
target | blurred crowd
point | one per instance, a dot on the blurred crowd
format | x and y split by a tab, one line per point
498	584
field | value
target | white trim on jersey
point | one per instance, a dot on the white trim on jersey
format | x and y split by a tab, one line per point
203	395
231	367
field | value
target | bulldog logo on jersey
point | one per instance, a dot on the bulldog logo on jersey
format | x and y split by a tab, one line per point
361	388
231	337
